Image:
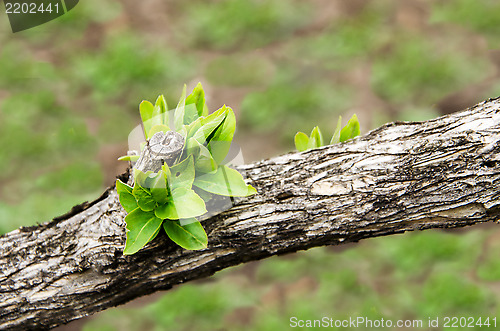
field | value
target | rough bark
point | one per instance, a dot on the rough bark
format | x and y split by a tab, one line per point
400	177
162	147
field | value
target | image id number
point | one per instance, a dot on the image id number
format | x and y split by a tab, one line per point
30	8
469	322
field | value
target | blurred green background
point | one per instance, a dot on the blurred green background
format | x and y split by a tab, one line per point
69	95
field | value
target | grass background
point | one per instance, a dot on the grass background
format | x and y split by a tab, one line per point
69	95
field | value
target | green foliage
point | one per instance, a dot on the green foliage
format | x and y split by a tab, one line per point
154	118
248	24
345	40
142	227
48	156
190	236
131	158
125	64
224	181
426	71
489	270
301	141
41	83
175	311
292	97
168	196
414	253
481	16
336	134
21	71
127	199
367	279
239	70
489	265
351	130
73	178
198	98
446	292
183	203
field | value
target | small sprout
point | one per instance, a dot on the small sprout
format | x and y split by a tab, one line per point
301	141
336	134
175	196
316	138
131	158
146	109
351	130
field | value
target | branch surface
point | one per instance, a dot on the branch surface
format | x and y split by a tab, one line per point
441	173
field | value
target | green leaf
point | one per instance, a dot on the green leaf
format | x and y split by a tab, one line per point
192	128
179	111
301	141
142	228
203	160
351	130
144	179
197	97
224	181
316	139
190	114
185	221
183	132
209	125
193	147
182	174
158	128
191	236
185	204
162	103
126	197
157	118
146	109
144	198
131	158
206	196
220	143
336	134
159	190
166	171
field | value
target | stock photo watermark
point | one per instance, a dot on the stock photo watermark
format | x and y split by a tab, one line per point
25	15
454	322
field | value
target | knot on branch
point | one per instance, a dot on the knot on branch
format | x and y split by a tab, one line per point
161	148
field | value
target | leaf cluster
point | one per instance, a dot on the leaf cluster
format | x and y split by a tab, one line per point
176	195
315	140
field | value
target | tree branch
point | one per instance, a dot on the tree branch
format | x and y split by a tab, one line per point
400	177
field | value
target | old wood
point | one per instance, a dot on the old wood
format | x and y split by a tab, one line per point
442	173
162	147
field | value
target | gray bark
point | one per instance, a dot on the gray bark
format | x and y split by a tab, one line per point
162	147
441	173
